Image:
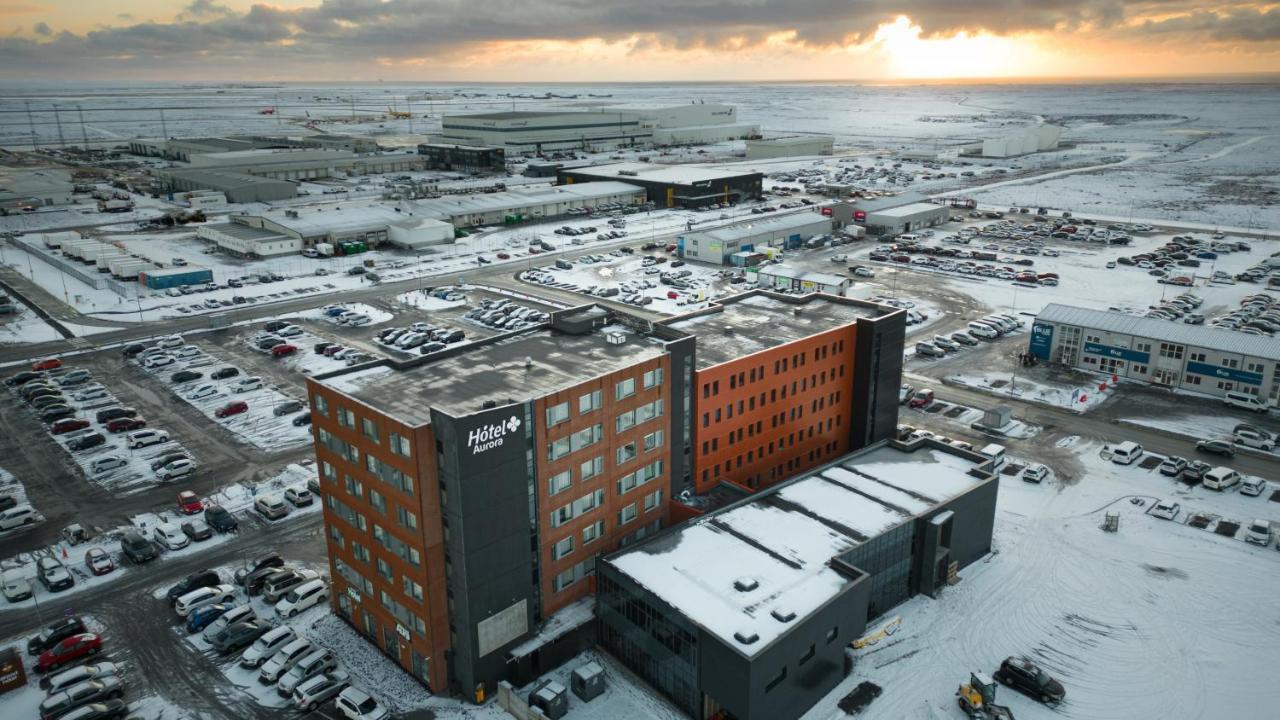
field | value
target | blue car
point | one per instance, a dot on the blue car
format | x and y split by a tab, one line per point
334	311
201	618
1207	255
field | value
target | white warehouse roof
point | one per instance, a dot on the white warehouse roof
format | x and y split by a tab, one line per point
1211	338
754	228
515	199
673	174
909	210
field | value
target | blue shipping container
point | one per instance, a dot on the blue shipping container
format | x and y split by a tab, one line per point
164	279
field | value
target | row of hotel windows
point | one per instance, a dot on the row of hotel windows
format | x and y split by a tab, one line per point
402	613
399	444
353	487
798	360
592	401
589	436
595	531
779	471
389	542
351	453
791	415
562	481
749	404
594	499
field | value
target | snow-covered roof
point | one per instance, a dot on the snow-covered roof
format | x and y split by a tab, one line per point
673	174
735	571
820	278
1210	338
755	228
514	200
912	209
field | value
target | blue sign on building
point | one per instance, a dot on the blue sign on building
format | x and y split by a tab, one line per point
1041	340
1224	373
1117	353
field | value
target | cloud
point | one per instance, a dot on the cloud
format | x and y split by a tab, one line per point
362	32
42	29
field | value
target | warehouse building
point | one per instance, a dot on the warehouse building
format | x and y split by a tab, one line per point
790	146
238	187
163	279
247	241
350	143
689	124
788	279
569	439
306	163
1019	142
362	222
785	383
673	185
534	131
892	216
746	611
722	246
463	158
518	205
31	188
1194	358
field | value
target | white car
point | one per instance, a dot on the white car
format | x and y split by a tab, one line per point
106	464
1258	533
77	675
176	469
841	258
200	597
306	595
93	392
15	586
143	438
267	645
17	516
172	341
358	320
1035	473
863	272
161	360
288	655
247	384
1253	486
289	331
1166	510
170	536
187	351
1253	439
356	704
204	391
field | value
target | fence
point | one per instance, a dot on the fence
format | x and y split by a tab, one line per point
515	705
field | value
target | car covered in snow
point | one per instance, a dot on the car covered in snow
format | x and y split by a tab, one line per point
1253	486
1258	533
1166	509
98	561
356	704
1173	466
1035	473
170	536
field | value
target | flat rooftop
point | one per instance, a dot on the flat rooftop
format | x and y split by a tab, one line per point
511	115
759	320
451	205
755	228
247	232
783	539
672	174
1203	336
912	209
519	368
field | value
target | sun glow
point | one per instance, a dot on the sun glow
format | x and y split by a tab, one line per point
908	55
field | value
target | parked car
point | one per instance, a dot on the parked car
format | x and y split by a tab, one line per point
194	581
1166	510
1258	533
106	710
284	659
138	549
76	675
17	516
231	408
176	469
1023	675
921	398
298	497
125	424
189	503
53	574
203	391
183	376
1035	473
356	704
203	617
203	596
73	648
54	633
233	615
1216	447
271	507
144	438
267	646
281	582
302	419
67	425
320	661
287	408
84	442
1173	466
238	635
58	704
320	689
1220	478
15	586
246	384
1252	486
1254	439
220	520
197	530
308	594
98	561
266	561
224	373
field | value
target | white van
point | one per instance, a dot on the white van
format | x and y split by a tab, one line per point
983	331
18	516
1221	478
1126	453
1244	400
908	237
1002	323
995	453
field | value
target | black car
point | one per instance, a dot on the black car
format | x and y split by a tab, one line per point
303	419
137	548
166	459
84	442
238	635
57	412
285	408
255	581
22	378
53	634
1029	679
224	373
185	376
320	347
271	560
112	413
194	581
275	325
7	501
203	532
132	349
106	710
219	519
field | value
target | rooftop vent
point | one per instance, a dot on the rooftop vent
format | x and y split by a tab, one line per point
488	405
746	637
528	361
797	311
745	584
728	330
615	338
785	615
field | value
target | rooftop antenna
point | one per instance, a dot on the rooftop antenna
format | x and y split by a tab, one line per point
164	130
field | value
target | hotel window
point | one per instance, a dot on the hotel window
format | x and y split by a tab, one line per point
321	405
359	552
557	414
384	570
625	389
591	401
327	471
561	515
411	588
406	519
652	441
627	514
336	536
652	500
558	448
559	482
586	437
591	468
346	418
369	429
562	548
592	532
400	445
652	378
378	502
626	453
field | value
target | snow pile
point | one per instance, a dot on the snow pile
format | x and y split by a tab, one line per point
424	300
1037	391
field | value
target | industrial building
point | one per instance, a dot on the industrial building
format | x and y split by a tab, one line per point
34	187
788	279
1194	358
790	146
463	158
306	163
350	143
246	241
516	460
892	216
522	204
784	383
238	187
607	128
673	185
281	231
1022	142
723	246
746	611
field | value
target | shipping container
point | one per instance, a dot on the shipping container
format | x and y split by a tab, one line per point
175	277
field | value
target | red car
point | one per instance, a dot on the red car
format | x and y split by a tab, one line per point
66	425
921	399
73	648
189	503
282	350
534	251
672	294
333	350
98	561
46	364
126	424
503	256
232	408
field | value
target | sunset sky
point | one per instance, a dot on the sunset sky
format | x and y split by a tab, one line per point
631	40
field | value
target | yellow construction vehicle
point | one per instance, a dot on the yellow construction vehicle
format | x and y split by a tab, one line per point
399	114
977	699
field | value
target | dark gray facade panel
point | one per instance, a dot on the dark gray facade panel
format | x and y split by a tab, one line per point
974	522
680	380
878	356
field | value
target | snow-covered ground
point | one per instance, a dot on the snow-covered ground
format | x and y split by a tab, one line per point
629	275
1157	620
25	327
1080	398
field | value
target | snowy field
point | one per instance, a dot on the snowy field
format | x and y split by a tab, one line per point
25	326
1104	613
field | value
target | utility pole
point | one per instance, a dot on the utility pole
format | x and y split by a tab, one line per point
62	142
35	140
84	134
164	130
